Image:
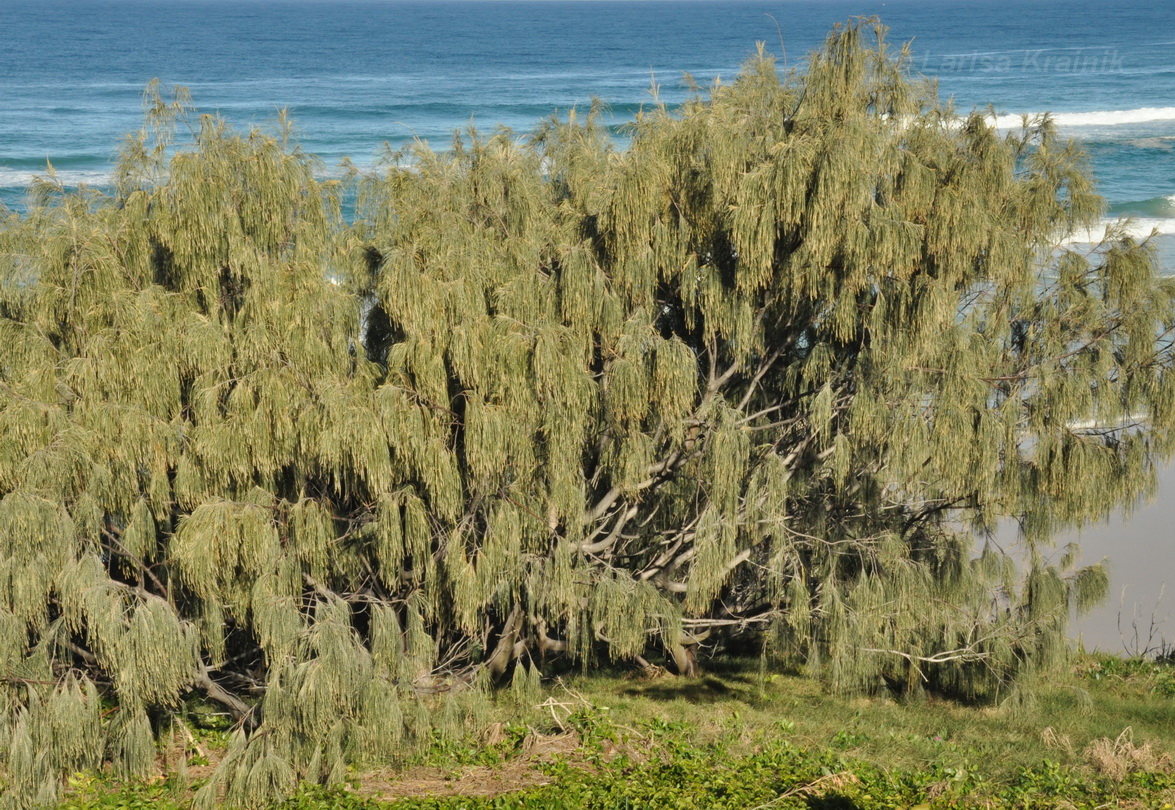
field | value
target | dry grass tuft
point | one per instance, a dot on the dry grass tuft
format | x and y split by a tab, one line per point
547	746
1054	741
1115	759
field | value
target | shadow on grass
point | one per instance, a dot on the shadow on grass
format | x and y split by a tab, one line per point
832	802
707	689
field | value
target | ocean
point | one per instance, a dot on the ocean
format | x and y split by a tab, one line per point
359	75
356	75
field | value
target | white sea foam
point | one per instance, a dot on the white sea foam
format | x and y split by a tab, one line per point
72	178
21	178
1100	118
1139	228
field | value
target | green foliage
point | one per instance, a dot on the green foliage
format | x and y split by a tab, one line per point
767	370
720	742
780	775
1157	675
89	793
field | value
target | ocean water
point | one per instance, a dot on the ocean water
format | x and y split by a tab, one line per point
358	74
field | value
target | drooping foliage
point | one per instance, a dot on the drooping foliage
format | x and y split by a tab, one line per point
764	372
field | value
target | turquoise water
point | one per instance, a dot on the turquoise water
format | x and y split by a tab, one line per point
356	75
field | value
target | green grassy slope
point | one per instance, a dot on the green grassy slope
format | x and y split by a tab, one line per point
737	738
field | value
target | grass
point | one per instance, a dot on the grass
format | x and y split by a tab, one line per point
1099	736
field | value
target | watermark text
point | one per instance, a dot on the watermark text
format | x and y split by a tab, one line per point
1041	60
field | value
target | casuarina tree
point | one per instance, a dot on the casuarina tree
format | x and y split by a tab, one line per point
767	373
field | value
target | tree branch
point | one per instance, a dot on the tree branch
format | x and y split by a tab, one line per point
242	711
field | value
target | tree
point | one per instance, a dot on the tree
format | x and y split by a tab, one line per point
766	372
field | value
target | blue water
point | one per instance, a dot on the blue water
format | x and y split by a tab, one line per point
357	75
